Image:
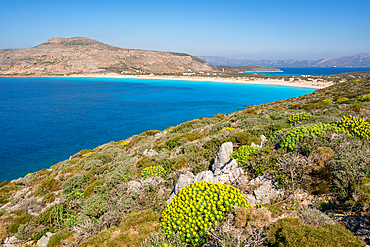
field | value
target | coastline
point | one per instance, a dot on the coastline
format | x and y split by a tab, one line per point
276	82
241	80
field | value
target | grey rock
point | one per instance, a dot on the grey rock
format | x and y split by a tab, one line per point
251	199
184	180
267	190
44	240
134	186
223	156
12	242
149	153
204	176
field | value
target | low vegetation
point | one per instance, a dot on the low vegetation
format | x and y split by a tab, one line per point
317	151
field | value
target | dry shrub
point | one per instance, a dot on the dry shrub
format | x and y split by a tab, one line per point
241	217
3	234
259	218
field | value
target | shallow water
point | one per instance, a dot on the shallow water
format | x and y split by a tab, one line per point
46	120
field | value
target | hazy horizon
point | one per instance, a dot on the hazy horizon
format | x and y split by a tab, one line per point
237	29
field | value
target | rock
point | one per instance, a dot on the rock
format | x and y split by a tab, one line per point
44	240
134	186
12	242
149	153
184	180
204	176
223	156
251	199
267	189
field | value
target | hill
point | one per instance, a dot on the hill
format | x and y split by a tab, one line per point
358	60
64	56
79	55
305	183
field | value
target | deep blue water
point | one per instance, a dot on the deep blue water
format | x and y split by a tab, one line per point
311	71
46	120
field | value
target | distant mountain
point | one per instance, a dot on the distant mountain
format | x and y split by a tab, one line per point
358	60
79	55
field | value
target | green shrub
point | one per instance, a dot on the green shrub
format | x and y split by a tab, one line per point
348	168
197	208
74	183
160	239
292	233
95	206
90	189
57	239
244	138
24	218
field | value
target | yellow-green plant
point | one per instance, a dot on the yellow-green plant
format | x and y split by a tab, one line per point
226	129
355	125
241	155
296	135
197	208
297	118
365	97
342	99
328	100
153	170
276	133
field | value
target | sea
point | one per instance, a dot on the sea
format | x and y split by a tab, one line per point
311	71
45	120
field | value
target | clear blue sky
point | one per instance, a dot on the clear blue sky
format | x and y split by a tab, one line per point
258	29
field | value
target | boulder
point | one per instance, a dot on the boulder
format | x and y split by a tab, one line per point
184	180
223	156
149	153
266	190
44	240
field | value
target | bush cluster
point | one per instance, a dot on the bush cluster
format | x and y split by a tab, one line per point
297	118
355	125
241	155
291	232
197	208
296	135
153	170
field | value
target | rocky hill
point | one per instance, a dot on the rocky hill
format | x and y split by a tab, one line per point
294	172
65	56
358	60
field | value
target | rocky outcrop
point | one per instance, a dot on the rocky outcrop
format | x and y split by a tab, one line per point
264	190
226	171
149	153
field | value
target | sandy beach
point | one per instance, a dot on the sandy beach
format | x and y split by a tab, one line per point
250	80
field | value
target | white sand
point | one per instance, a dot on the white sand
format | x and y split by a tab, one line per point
251	80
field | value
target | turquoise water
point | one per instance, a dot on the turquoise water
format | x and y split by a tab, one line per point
311	71
46	120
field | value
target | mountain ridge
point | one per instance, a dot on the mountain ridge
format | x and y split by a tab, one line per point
357	60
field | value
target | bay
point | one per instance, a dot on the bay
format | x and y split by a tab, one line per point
47	119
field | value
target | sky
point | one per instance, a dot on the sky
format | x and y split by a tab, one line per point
245	29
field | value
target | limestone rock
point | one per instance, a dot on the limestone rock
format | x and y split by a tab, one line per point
149	153
267	190
204	176
223	156
44	240
184	180
134	186
12	242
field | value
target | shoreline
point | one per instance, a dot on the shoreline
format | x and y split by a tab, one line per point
248	80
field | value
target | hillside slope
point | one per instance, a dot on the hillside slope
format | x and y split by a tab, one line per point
308	180
64	56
